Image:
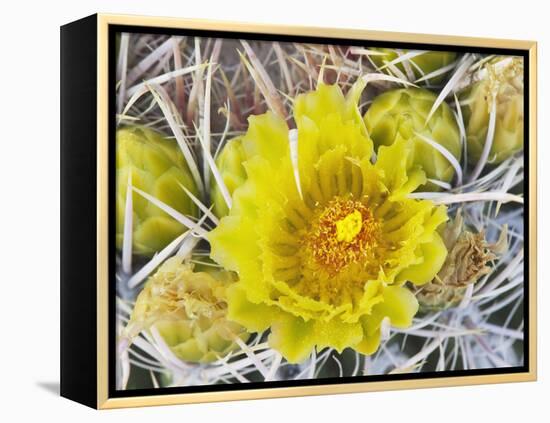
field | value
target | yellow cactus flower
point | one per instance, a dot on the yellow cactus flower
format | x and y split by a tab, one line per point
322	238
188	309
157	167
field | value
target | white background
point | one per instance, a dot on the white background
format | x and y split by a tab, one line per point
29	224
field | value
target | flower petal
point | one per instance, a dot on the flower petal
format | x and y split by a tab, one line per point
255	317
369	344
267	136
337	334
434	254
392	162
399	304
293	337
318	104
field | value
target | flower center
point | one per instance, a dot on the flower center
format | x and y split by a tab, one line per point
345	232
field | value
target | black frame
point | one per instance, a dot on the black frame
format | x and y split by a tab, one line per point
79	211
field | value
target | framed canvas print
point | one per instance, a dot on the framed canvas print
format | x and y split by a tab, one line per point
258	211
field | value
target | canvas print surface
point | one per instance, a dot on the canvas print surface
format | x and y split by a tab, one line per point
297	211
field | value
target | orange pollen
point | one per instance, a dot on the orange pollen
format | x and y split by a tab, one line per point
345	232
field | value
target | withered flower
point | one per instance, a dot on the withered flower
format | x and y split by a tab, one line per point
467	261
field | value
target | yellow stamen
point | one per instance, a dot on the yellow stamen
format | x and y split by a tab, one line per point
348	227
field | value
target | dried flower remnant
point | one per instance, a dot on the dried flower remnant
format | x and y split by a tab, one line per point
324	265
154	165
188	309
401	115
503	85
467	261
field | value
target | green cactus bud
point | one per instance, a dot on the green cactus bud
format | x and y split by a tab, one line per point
466	262
420	65
188	309
503	81
230	165
401	114
156	166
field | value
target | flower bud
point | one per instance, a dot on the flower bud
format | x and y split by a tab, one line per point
188	309
502	83
230	165
401	114
420	65
155	165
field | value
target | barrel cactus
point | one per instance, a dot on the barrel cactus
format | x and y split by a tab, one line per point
401	114
156	166
503	82
187	307
420	65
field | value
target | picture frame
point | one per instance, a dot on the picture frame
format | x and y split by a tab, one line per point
92	112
